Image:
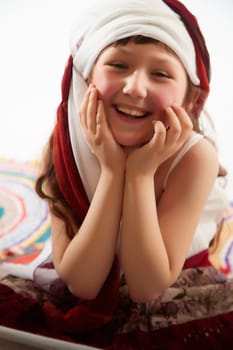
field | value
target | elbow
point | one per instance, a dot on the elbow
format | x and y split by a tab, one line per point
83	293
80	287
151	292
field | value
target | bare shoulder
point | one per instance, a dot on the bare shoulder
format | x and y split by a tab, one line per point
202	157
198	169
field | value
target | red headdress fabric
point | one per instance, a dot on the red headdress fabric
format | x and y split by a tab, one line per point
202	54
67	174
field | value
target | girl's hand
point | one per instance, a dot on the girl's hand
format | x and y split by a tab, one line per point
97	132
164	143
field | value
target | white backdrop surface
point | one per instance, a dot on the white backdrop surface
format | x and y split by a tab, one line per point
34	41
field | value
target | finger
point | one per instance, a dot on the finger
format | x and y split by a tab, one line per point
92	109
173	120
185	122
83	108
99	113
174	126
183	116
100	117
159	136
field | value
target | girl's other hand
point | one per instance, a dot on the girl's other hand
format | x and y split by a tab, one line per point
97	132
165	142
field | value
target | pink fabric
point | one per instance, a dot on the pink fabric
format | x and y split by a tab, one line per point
199	260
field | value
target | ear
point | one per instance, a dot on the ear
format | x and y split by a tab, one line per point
196	101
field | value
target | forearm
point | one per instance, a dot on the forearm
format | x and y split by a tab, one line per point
143	254
88	258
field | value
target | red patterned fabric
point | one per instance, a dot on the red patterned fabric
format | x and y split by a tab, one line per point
85	315
21	311
214	333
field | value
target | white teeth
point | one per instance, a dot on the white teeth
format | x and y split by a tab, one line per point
132	112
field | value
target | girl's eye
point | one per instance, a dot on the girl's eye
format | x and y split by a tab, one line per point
118	65
161	74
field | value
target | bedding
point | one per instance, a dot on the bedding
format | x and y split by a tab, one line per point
24	217
196	311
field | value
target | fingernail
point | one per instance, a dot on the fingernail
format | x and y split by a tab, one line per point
91	87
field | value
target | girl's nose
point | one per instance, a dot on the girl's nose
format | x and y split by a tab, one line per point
135	85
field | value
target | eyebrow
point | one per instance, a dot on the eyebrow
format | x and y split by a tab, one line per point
119	48
161	60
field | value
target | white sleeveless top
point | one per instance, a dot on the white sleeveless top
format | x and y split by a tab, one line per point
213	210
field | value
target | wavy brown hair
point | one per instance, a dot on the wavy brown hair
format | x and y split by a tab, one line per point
47	188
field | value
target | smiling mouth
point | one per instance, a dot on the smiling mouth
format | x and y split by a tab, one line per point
130	112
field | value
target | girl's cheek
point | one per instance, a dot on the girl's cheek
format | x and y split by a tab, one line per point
104	93
167	98
103	84
162	102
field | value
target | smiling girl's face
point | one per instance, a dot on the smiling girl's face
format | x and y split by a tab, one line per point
137	82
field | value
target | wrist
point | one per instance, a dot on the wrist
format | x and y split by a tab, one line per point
139	172
112	173
138	177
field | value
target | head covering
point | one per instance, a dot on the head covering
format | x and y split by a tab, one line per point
168	21
120	19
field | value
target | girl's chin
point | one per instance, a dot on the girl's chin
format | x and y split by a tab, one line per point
131	143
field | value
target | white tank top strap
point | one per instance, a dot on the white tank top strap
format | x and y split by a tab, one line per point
184	149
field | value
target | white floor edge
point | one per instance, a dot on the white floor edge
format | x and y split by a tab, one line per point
11	339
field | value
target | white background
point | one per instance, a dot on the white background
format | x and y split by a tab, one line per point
34	47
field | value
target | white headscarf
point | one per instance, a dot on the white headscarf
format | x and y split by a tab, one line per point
105	24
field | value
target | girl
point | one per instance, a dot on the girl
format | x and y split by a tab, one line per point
130	180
